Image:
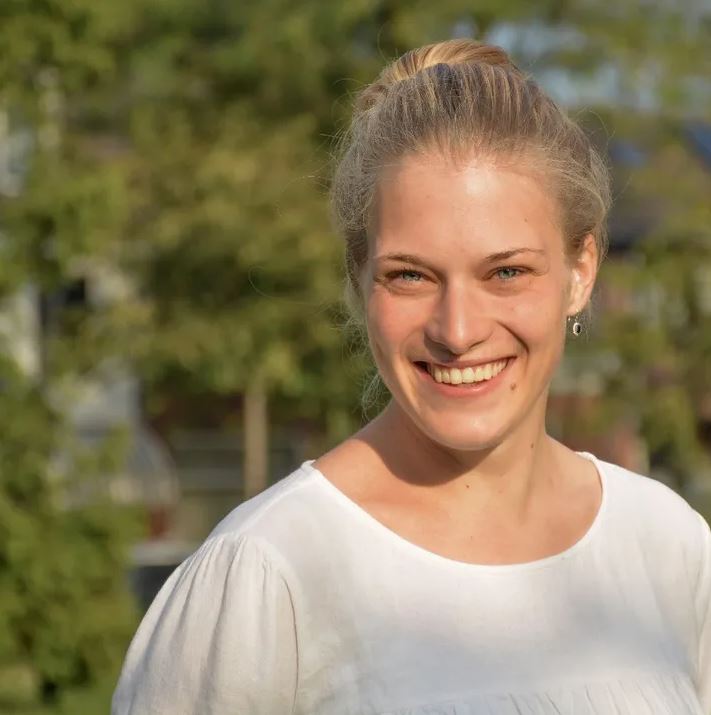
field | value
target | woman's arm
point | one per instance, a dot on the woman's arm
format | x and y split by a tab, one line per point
219	639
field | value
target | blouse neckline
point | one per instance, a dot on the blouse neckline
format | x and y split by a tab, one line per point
421	552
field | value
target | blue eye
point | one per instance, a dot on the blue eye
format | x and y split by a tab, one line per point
410	276
510	272
406	275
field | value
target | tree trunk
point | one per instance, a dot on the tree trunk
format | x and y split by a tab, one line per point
255	468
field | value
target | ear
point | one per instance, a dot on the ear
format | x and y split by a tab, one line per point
583	272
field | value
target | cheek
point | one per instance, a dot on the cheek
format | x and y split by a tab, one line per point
391	321
539	324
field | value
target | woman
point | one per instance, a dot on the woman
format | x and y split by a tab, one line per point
450	557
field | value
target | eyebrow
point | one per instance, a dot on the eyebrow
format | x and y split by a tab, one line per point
491	258
503	255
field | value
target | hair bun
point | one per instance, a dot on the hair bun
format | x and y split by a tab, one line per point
449	52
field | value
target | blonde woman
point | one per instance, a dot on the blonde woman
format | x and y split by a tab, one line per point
451	557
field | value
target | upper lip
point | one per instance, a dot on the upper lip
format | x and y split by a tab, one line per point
466	363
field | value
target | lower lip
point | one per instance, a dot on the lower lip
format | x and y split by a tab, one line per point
468	389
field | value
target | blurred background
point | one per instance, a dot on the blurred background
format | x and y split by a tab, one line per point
171	333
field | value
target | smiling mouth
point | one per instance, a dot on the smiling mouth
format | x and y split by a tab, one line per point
465	376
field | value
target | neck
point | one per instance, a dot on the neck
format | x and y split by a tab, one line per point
506	475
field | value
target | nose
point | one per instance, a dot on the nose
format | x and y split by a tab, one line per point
459	321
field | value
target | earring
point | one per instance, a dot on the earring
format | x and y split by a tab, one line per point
577	325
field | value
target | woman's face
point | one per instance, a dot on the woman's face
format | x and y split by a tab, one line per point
467	289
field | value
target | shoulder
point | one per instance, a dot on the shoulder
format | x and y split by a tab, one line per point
244	553
648	512
283	523
644	494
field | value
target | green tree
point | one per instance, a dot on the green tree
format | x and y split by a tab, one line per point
65	610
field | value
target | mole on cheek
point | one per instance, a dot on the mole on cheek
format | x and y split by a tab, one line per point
512	386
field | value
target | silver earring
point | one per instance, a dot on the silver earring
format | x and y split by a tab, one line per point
577	325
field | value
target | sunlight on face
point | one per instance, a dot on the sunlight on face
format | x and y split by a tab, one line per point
466	266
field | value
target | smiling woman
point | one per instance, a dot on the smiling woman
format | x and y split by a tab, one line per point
494	285
451	556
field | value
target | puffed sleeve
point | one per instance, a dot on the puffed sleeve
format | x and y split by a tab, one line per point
219	639
703	613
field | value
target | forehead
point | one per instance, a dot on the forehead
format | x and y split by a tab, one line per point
428	203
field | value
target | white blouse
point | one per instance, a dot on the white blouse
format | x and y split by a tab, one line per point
301	602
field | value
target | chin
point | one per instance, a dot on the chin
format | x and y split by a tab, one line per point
465	438
462	432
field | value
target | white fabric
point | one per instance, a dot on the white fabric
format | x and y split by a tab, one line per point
301	602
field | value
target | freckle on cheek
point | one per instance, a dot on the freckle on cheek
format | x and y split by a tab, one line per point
512	386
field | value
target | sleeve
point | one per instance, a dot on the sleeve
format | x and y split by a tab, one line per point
703	618
219	639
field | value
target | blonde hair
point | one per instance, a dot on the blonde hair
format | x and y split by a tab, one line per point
463	97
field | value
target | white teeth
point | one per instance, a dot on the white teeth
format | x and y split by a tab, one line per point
455	376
